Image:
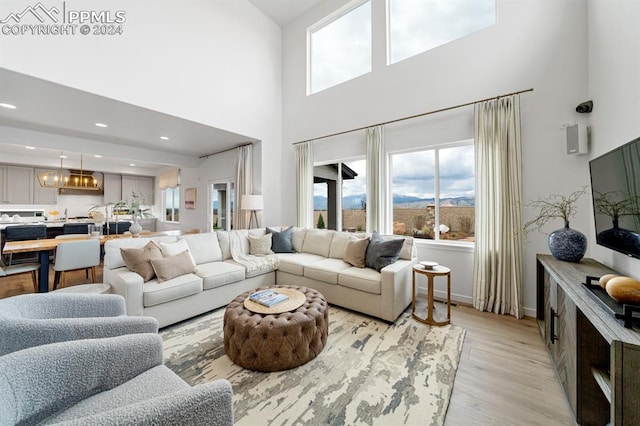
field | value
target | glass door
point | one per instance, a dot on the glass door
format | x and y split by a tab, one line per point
222	203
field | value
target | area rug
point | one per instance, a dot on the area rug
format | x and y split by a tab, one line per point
369	373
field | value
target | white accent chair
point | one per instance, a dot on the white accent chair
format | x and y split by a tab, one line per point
21	268
76	255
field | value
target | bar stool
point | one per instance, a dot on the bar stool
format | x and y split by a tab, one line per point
435	271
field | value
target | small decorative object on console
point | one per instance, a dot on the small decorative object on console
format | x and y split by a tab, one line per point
628	312
428	264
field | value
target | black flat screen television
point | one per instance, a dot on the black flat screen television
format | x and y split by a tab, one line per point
615	187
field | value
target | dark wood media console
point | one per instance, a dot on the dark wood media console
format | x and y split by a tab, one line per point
596	358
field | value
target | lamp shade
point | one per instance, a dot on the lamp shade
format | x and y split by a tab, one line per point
252	202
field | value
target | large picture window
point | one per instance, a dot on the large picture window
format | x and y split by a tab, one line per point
416	26
434	193
340	47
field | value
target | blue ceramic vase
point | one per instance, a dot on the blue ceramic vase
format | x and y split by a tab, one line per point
567	244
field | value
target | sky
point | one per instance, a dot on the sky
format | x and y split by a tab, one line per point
413	174
341	50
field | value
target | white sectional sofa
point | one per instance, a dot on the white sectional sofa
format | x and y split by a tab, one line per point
317	263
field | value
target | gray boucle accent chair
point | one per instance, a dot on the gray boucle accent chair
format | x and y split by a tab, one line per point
112	381
36	319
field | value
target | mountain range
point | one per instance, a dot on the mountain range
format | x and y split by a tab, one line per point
356	202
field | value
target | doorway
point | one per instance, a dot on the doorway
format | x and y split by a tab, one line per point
221	206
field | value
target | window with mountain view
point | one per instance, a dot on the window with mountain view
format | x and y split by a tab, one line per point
434	193
416	26
339	196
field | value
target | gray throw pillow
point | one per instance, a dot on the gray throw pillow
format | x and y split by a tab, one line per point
381	253
282	242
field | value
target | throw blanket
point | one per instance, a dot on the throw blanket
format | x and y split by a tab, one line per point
252	263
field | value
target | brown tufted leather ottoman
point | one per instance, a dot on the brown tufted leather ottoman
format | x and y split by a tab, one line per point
279	341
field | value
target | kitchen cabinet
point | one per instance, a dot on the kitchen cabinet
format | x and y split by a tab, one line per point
142	185
43	195
112	187
596	358
16	185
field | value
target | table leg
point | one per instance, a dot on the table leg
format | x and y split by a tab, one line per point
43	275
413	295
430	306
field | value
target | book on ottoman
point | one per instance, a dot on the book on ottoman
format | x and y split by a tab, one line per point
268	297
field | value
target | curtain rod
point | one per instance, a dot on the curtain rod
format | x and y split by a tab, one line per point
225	150
415	116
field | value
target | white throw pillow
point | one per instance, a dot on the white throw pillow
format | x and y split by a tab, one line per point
174	249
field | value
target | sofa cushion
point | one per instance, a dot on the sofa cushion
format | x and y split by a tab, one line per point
363	279
281	242
174	248
225	244
217	274
356	251
260	245
265	269
294	263
338	244
173	266
203	247
381	253
155	293
325	270
318	242
297	238
138	259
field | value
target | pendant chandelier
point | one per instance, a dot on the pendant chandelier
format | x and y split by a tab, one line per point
71	179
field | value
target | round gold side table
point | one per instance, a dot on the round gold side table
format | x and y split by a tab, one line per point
436	271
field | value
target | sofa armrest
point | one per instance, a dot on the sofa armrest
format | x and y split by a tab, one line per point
40	381
205	404
396	288
128	284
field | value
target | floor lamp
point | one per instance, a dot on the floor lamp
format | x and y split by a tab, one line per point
253	203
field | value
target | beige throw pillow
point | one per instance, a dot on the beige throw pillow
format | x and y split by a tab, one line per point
173	266
355	252
138	260
260	245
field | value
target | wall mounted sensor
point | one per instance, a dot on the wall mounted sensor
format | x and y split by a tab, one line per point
584	107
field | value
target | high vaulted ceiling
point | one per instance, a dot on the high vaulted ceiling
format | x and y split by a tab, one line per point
283	11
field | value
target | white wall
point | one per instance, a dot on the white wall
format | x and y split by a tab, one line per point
614	86
214	62
535	44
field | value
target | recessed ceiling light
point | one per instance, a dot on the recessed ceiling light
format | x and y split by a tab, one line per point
132	165
101	125
30	147
8	106
98	156
164	138
63	156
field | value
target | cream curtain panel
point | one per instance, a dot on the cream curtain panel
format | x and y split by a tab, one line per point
376	181
497	266
169	179
304	184
244	185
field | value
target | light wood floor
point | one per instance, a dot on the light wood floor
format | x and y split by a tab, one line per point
504	378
